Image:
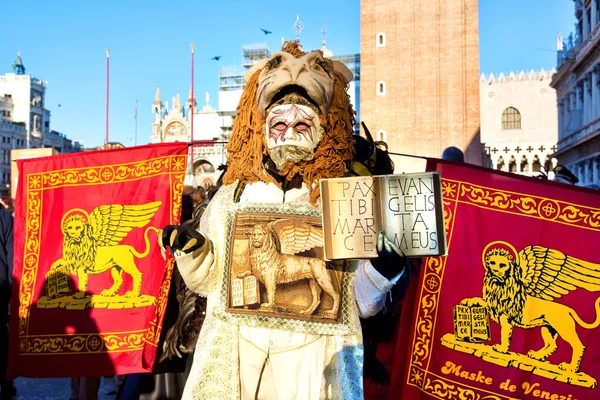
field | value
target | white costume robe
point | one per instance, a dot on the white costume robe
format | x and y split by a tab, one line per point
234	361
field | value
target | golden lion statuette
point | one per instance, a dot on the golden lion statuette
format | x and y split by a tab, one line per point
91	245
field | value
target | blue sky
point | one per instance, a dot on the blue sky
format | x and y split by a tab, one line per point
63	42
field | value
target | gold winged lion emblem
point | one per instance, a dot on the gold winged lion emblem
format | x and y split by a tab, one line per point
91	245
519	290
273	250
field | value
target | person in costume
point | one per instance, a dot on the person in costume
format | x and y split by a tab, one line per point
293	127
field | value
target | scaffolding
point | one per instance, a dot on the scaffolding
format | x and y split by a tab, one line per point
252	53
232	77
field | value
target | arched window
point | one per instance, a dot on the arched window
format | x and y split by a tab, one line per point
381	42
536	165
547	164
512	164
511	119
381	89
381	136
500	164
524	164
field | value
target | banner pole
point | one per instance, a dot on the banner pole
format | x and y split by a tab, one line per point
192	105
107	76
136	104
191	150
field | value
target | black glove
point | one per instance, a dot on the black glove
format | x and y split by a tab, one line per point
390	260
181	237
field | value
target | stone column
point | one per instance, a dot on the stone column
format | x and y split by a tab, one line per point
586	172
579	102
573	111
594	82
593	10
579	173
595	171
587	95
561	110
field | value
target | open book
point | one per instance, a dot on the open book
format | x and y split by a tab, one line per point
245	292
471	324
407	208
58	283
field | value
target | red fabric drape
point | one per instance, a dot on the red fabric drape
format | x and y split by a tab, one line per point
94	217
532	243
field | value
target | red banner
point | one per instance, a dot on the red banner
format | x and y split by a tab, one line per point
90	285
513	311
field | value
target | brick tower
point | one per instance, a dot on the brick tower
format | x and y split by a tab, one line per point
420	75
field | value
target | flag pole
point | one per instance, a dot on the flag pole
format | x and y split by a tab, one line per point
192	105
191	150
107	67
136	122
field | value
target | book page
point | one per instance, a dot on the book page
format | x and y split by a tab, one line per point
350	217
237	292
412	213
481	324
251	291
462	322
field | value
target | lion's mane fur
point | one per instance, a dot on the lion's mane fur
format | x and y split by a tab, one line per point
264	258
506	297
79	252
247	147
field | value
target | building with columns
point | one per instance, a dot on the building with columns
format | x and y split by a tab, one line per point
577	84
518	121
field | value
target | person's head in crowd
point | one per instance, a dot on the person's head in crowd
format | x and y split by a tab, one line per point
562	174
188	190
8	203
453	154
199	196
187	203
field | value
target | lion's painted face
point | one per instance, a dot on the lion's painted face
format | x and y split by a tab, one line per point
498	265
257	236
310	75
74	229
292	133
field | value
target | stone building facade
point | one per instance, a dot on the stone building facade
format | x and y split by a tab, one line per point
420	75
577	84
25	120
518	121
174	124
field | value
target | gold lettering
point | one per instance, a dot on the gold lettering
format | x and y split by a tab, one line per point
528	387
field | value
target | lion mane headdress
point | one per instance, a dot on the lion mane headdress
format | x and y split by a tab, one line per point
333	156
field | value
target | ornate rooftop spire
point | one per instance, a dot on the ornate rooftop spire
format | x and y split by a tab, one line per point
326	52
18	66
298	27
157	100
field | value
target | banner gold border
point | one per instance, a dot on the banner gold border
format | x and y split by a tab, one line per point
36	184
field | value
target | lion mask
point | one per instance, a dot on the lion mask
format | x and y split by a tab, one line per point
309	81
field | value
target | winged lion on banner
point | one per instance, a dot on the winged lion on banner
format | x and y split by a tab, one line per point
273	260
519	290
91	244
